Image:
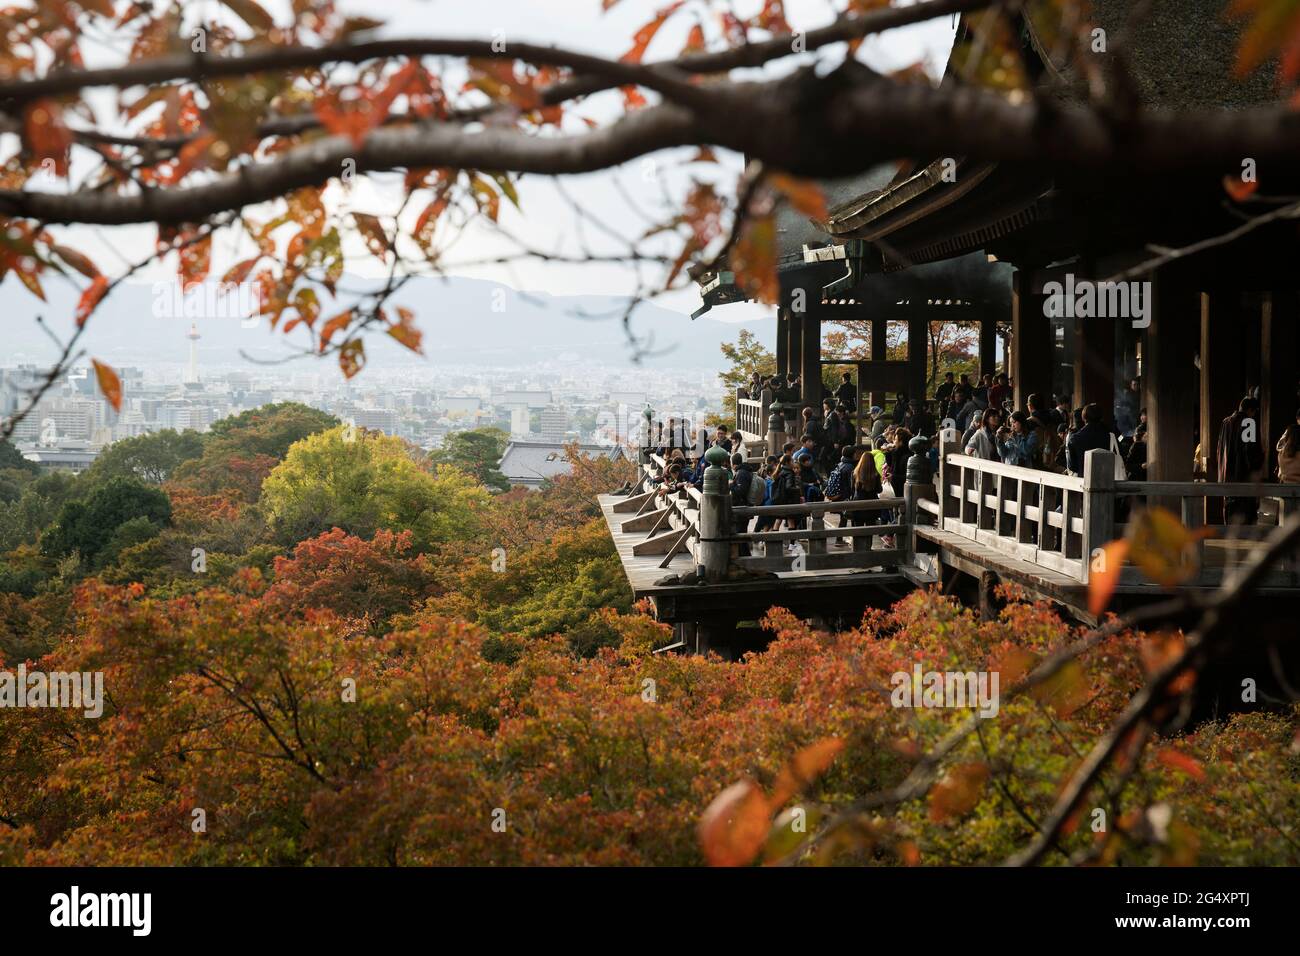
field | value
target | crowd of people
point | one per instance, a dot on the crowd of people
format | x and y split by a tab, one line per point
831	461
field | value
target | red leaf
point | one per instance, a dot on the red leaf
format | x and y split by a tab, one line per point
90	298
1177	760
239	271
1105	575
251	13
46	136
195	261
647	33
1239	189
109	384
372	230
734	826
405	332
958	792
335	324
76	260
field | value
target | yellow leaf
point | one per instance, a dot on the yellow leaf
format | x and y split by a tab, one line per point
805	767
1162	547
109	384
352	357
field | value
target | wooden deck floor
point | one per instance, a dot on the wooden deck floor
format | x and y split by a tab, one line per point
673	600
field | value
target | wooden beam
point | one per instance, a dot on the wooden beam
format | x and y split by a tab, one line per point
1094	363
918	344
648	522
988	345
1280	369
782	344
633	502
879	353
823	562
661	543
1223	378
810	356
1031	340
676	547
1168	381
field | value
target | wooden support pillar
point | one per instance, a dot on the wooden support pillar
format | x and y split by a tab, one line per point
1280	370
1032	351
1094	363
782	341
1169	381
918	343
879	352
1224	318
810	358
794	341
988	345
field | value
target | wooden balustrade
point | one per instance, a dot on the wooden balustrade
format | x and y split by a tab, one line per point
1058	522
752	415
1031	515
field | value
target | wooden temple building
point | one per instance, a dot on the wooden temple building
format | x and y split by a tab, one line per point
1200	301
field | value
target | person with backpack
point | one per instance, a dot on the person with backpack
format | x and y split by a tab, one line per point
839	483
867	486
785	486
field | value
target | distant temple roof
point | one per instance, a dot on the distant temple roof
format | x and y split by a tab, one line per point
529	463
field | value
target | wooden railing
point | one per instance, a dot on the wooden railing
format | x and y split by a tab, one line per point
1194	501
1062	522
752	415
671	523
1057	522
1051	520
811	541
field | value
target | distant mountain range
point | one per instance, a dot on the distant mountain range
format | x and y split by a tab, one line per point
466	321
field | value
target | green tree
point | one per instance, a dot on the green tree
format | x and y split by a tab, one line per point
22	521
87	526
152	457
477	453
268	430
11	457
241	450
746	356
363	482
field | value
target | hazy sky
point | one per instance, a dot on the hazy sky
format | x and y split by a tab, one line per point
546	221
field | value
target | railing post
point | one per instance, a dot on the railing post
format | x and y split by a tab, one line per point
1193	515
1098	505
775	433
919	484
948	441
715	519
817	545
765	409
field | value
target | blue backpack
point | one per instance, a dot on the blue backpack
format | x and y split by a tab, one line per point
837	485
